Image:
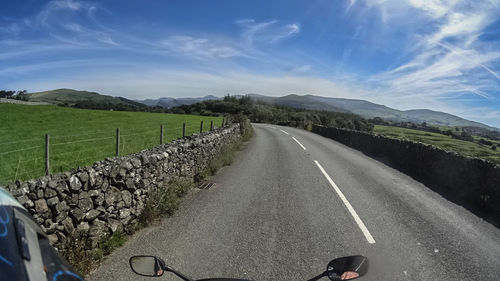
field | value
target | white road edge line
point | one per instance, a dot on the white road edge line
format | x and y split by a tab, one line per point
358	220
303	147
284	132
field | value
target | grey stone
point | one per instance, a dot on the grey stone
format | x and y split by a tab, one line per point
115	225
50	227
83	227
49	193
124	213
39	193
99	199
93	177
94	193
74	183
42	182
31	185
91	215
84	177
41	206
112	195
52	201
77	214
126	165
144	160
85	204
52	184
98	229
32	196
68	225
83	195
61	216
114	172
61	236
136	162
105	185
39	220
130	184
120	205
122	173
61	207
22	199
29	204
74	199
52	239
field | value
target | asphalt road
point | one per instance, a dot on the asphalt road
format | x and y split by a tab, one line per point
274	215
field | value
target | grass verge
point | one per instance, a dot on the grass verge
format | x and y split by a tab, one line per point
445	142
80	252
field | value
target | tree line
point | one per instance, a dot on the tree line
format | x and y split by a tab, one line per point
261	112
17	95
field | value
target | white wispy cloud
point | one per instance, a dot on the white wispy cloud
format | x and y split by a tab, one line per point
55	7
65	22
449	59
267	32
199	47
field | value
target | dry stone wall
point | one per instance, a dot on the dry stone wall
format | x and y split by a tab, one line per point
109	196
471	182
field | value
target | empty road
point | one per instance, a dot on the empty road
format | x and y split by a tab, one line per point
293	200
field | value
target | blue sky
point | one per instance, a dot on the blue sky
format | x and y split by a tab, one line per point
437	54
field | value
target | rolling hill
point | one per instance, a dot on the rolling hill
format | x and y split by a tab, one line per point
173	102
71	97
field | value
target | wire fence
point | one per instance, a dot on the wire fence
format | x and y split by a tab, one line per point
32	158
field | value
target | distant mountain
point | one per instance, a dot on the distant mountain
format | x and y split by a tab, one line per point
361	107
71	97
296	101
371	110
173	102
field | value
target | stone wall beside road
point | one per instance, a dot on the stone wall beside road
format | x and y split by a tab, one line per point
13	101
470	182
109	196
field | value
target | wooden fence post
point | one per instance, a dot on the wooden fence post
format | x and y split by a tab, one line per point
222	123
201	127
161	134
211	125
183	129
47	155
117	141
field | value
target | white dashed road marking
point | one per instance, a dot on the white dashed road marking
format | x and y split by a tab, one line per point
303	147
284	132
358	220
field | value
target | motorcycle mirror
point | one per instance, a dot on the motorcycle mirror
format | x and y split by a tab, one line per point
150	266
347	268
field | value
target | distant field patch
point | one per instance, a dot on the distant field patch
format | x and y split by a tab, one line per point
445	142
79	137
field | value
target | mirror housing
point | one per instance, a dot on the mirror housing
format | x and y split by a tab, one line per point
149	266
347	268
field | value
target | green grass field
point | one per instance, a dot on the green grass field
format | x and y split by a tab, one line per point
442	141
79	137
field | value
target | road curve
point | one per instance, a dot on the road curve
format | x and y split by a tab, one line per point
293	200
